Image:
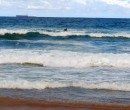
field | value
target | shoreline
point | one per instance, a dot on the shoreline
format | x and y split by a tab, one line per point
7	103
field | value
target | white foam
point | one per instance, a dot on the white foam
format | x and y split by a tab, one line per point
121	34
70	32
24	84
50	33
64	58
16	31
65	34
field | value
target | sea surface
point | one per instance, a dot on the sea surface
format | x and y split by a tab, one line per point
88	63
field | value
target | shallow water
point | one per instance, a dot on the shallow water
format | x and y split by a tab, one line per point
93	55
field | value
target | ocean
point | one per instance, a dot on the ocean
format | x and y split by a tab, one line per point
90	62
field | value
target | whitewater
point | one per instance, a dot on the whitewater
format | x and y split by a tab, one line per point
56	58
56	32
36	53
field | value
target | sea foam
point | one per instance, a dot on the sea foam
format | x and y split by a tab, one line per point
24	84
61	33
55	58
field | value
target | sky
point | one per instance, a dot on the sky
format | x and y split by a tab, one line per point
66	8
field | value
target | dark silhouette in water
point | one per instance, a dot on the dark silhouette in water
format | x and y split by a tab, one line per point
65	29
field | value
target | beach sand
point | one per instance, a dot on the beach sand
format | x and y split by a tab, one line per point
24	104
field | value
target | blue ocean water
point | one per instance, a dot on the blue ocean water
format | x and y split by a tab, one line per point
36	53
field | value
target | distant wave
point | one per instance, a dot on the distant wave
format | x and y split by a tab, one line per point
31	34
63	59
24	84
42	32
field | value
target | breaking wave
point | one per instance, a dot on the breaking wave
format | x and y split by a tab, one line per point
24	84
63	58
30	34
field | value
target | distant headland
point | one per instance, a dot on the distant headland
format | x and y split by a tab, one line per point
24	16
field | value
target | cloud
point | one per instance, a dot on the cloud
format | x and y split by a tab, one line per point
88	8
46	5
43	4
11	4
122	3
39	5
59	4
82	2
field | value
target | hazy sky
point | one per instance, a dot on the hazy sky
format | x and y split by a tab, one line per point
66	8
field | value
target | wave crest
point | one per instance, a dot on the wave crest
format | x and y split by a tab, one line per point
29	34
24	84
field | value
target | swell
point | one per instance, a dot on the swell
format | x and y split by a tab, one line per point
37	36
17	36
40	34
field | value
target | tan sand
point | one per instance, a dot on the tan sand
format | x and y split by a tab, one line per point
22	104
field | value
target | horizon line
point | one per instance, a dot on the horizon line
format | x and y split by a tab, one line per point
29	16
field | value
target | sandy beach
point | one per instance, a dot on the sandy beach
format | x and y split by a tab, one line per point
23	104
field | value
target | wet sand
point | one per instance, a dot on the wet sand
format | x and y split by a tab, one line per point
23	104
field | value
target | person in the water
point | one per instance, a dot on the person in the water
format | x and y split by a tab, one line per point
65	29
